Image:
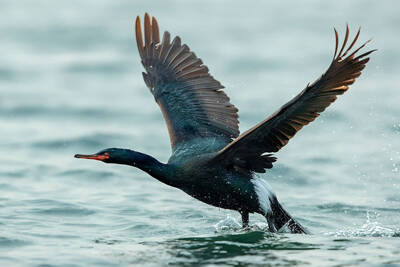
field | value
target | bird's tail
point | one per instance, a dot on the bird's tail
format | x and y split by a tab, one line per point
280	218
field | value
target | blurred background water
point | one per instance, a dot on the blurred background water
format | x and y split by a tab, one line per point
70	82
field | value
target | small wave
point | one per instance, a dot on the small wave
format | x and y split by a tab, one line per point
343	208
11	242
65	211
8	74
107	241
57	112
12	174
57	208
90	175
233	245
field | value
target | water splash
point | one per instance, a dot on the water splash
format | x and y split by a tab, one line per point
228	224
368	229
231	224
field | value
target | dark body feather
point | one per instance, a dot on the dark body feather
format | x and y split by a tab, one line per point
209	160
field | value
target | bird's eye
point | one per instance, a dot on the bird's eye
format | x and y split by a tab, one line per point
106	153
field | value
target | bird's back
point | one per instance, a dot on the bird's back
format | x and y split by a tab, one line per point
196	148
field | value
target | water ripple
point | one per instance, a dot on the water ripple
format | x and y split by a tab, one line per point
57	208
6	242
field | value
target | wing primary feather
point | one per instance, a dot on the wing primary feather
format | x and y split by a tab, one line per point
171	48
364	55
352	43
147	30
346	37
181	50
337	43
156	33
358	49
190	63
187	57
199	70
164	45
139	39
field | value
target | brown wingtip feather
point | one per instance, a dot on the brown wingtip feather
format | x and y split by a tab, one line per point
366	54
346	37
337	42
139	39
147	30
358	49
354	41
156	33
342	57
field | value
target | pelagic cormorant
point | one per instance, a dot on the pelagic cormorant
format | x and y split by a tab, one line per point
210	161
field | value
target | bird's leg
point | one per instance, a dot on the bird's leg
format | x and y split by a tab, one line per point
271	224
245	218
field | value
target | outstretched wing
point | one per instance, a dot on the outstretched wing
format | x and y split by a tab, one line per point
191	100
248	150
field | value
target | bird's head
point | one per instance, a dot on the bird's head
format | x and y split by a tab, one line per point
109	155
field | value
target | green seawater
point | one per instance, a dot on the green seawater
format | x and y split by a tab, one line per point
70	82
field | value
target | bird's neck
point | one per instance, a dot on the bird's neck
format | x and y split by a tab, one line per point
147	163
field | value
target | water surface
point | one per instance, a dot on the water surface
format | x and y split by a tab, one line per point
70	82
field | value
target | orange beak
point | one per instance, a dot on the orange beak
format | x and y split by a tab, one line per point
94	156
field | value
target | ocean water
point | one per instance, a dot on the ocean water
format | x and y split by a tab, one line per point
70	82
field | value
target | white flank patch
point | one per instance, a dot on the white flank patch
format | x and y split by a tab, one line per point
264	193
